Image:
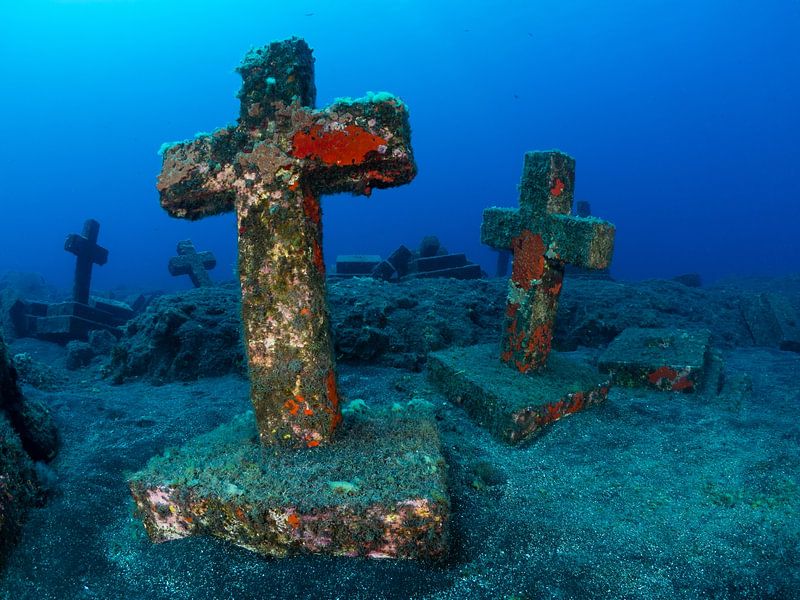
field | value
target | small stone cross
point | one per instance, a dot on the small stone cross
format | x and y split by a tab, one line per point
270	168
88	253
190	262
543	236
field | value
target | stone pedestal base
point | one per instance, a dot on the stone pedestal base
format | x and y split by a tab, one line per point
663	359
514	406
68	321
378	491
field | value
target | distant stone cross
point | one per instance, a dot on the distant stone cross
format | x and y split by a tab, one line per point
89	253
543	236
271	168
195	265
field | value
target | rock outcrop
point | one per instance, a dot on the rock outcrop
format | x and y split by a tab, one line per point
27	434
198	333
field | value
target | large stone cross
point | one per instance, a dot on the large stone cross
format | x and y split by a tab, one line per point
544	236
271	168
192	263
88	253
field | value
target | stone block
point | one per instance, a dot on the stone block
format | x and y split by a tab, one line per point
772	321
514	406
400	259
471	271
63	328
356	264
760	320
664	359
68	321
437	263
120	312
786	322
378	492
384	271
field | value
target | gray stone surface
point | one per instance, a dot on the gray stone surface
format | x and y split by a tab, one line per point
27	433
183	336
196	333
662	358
772	320
513	406
592	313
31	419
636	498
79	354
356	264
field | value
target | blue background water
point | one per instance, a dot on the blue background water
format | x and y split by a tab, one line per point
682	116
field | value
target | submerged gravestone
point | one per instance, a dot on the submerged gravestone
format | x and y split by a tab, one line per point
664	359
67	321
192	263
87	254
455	266
520	393
356	265
271	169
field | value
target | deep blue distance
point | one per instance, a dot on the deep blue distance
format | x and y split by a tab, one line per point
682	117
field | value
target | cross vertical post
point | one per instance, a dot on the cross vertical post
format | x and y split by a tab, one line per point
543	236
88	253
271	168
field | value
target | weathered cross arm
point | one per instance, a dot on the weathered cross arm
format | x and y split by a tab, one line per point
357	146
585	242
85	245
195	175
500	226
581	241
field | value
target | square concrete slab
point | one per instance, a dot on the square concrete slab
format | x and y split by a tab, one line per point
379	491
356	264
664	359
514	406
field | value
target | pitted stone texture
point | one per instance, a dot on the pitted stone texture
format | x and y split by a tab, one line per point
18	490
271	168
398	324
182	337
664	359
27	433
197	333
388	502
772	321
544	237
514	406
592	313
31	419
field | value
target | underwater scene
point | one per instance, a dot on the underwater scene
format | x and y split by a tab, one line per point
548	346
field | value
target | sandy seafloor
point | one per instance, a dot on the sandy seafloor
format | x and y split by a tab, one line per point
651	495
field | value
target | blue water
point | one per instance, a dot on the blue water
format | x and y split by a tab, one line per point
682	117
